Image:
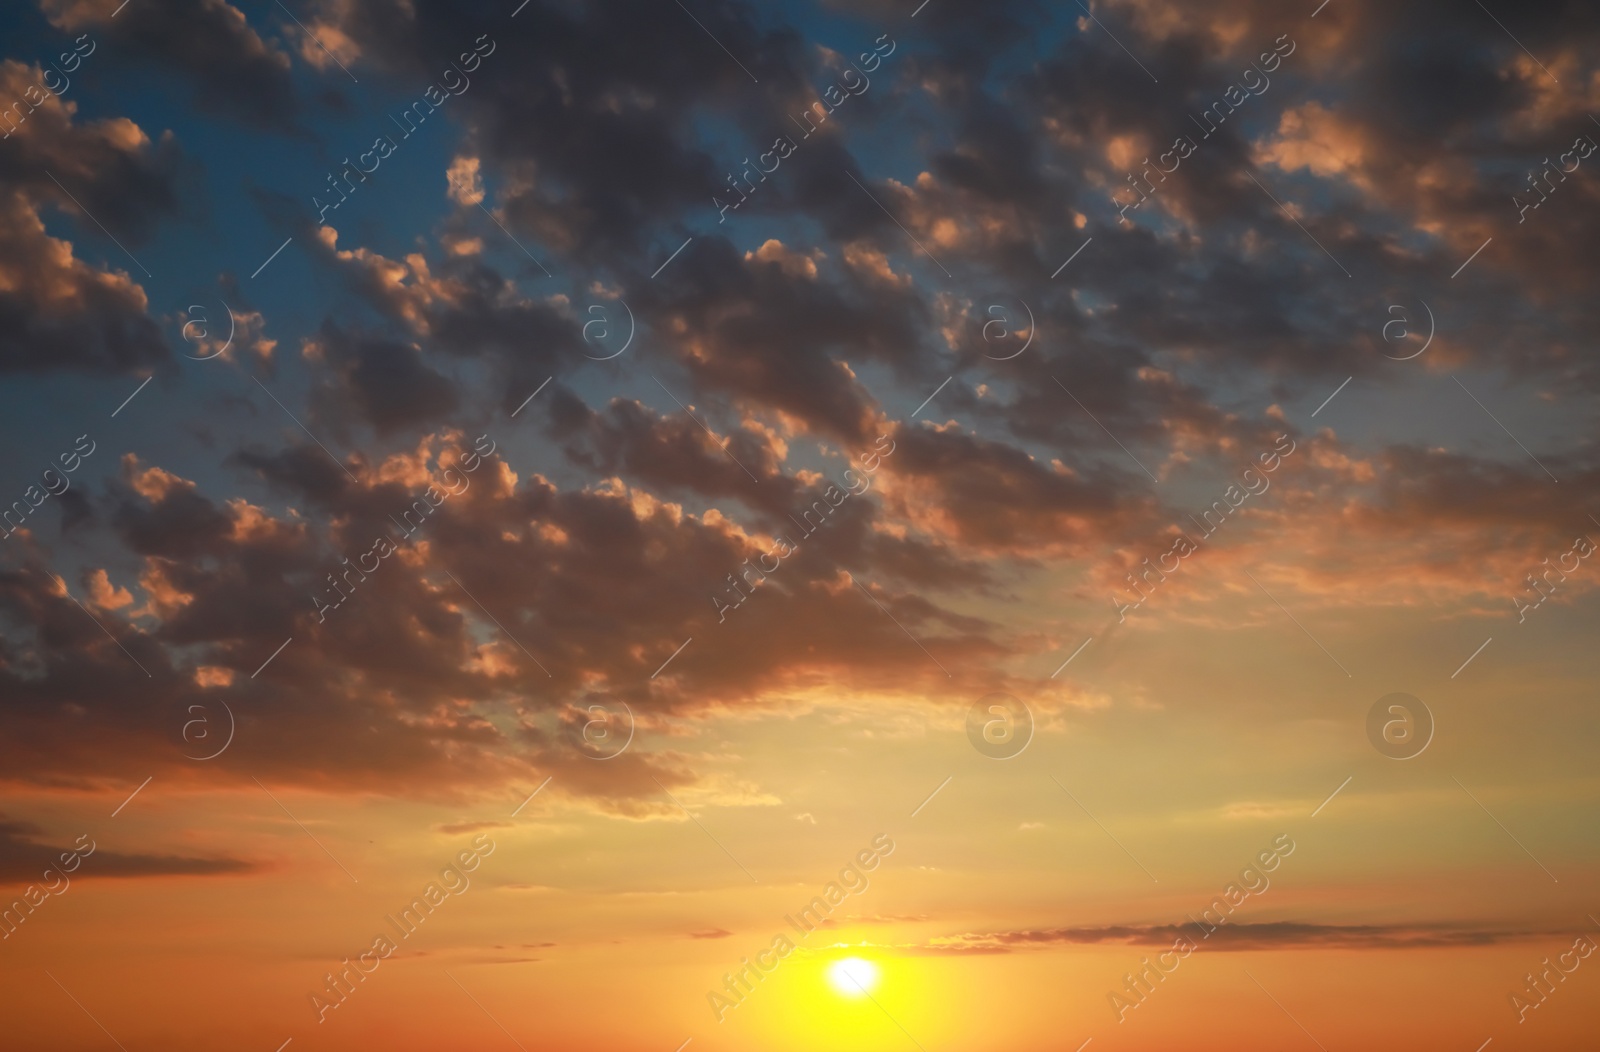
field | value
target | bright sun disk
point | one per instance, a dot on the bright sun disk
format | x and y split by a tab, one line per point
853	976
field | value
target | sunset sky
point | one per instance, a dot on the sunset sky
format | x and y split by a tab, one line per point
709	526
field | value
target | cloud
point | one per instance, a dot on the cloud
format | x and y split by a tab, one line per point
455	828
57	311
466	185
230	69
995	497
24	857
590	159
417	655
1270	935
778	355
387	382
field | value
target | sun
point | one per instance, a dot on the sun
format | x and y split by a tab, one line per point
853	976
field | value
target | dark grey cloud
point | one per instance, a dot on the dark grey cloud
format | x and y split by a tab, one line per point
59	310
25	855
386	382
226	64
1242	937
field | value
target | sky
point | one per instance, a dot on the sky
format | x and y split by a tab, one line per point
704	525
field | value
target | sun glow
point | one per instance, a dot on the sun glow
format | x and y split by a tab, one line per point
853	976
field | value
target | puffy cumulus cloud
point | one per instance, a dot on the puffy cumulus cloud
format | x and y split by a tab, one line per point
104	594
1462	533
1025	162
867	261
246	330
108	169
214	676
454	653
323	42
229	67
670	451
1335	135
58	312
545	586
671	454
388	383
466	185
1025	156
995	498
595	129
57	670
405	289
951	220
463	308
770	333
1231	33
792	263
1313	138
